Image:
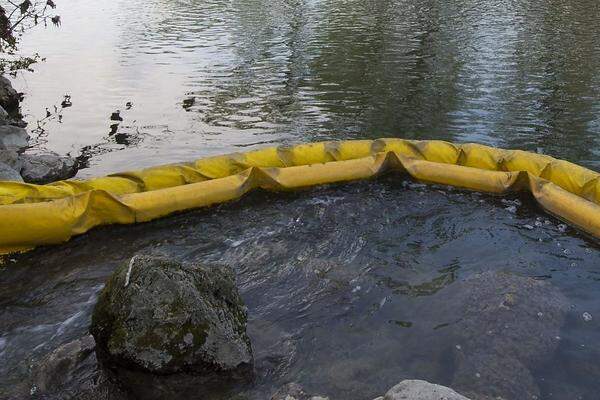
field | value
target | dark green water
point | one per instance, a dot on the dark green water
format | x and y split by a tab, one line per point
349	288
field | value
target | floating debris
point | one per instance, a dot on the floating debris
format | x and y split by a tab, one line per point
382	302
402	324
587	317
187	103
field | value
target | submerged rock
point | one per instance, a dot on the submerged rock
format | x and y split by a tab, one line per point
58	368
9	174
509	327
420	390
13	138
162	317
47	167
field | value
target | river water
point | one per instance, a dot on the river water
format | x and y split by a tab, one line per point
517	74
348	287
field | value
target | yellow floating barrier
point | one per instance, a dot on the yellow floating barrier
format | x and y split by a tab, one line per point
34	215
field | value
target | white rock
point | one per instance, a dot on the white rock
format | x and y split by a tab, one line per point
421	390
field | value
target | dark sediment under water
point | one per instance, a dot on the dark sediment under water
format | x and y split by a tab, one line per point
347	286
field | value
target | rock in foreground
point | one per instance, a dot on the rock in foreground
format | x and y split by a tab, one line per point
47	167
420	390
162	317
293	391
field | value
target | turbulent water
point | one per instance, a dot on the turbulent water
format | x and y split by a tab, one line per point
347	286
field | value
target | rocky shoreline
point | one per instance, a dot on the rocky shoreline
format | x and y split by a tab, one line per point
16	163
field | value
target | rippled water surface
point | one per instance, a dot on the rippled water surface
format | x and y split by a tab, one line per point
350	288
518	74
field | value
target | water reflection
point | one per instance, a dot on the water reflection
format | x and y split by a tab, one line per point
219	75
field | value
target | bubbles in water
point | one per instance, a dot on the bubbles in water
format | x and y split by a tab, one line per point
413	185
562	227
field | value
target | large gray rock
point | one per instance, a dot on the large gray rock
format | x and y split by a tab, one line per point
420	390
509	327
13	138
7	119
9	97
163	317
9	174
11	158
47	167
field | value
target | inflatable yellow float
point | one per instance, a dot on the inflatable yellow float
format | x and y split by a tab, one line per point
34	215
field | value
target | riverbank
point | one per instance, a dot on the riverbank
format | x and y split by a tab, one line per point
18	161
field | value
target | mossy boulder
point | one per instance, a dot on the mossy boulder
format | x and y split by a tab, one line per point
163	317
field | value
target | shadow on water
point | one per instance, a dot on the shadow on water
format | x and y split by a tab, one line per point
349	288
